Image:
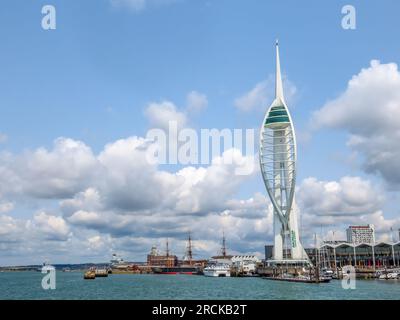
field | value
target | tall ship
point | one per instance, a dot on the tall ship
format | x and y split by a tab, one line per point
169	264
219	266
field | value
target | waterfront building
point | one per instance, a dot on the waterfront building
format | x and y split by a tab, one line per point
246	264
363	256
334	242
278	167
155	259
221	259
361	234
162	261
269	252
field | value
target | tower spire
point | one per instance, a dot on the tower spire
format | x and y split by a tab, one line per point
278	80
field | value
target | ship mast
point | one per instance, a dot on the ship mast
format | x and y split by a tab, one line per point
167	251
317	260
223	249
189	251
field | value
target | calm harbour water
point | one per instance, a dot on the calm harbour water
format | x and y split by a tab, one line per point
70	285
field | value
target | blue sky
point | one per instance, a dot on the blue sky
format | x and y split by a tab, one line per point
104	57
93	77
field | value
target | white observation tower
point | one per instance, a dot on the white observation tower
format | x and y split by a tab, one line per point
278	166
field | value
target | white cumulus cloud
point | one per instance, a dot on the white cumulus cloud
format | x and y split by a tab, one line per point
161	114
50	226
369	110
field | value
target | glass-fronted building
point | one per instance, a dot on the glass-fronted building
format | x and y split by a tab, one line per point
362	256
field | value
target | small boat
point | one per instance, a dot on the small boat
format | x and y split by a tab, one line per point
90	274
389	276
392	275
217	270
327	273
101	273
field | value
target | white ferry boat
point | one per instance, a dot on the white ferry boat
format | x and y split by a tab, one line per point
217	270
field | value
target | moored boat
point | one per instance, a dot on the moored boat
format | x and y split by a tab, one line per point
188	270
217	270
389	276
300	278
100	273
89	275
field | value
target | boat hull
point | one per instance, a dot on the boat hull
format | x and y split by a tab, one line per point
217	273
177	270
323	280
89	275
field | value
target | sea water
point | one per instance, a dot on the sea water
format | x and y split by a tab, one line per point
71	285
